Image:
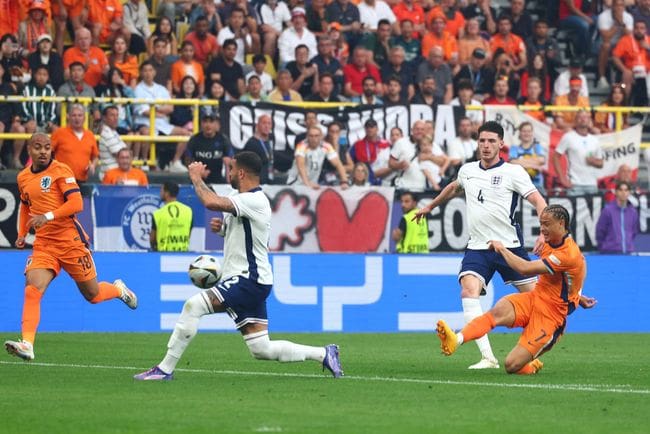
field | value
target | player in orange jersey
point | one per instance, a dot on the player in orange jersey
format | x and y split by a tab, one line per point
50	199
541	312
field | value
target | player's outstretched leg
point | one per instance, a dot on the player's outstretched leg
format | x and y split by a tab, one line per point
478	327
104	291
261	347
449	341
184	331
472	310
24	348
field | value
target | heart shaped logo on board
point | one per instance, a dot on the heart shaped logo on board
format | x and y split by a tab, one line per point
362	232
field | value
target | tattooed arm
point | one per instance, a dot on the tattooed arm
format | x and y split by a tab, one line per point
208	198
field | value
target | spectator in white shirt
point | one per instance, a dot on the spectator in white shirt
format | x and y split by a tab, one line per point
110	142
150	90
259	64
561	85
462	148
372	11
294	36
237	31
612	24
275	16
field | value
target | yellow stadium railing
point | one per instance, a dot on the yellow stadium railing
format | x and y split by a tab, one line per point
152	138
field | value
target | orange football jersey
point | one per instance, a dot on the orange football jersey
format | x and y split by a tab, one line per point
46	190
562	286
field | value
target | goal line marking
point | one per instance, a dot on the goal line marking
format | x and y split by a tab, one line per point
598	388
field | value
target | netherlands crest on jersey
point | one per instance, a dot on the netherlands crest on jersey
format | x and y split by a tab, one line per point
46	183
496	180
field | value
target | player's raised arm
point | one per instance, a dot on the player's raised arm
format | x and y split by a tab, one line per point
538	201
520	265
208	198
453	189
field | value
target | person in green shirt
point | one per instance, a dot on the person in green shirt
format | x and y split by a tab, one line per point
411	236
172	223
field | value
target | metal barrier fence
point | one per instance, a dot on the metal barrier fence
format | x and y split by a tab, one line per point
152	138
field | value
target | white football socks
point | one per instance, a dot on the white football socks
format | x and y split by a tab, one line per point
261	347
472	309
184	331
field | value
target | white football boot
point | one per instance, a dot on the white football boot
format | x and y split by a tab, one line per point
127	296
485	363
22	349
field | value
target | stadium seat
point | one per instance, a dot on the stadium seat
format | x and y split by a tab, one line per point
181	31
269	69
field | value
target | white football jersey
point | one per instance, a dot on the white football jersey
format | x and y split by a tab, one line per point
246	245
492	196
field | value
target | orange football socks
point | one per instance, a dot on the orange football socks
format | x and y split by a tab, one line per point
31	313
478	327
107	291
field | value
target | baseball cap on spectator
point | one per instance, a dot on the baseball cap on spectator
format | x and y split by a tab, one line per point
370	123
576	62
43	37
335	26
38	4
209	115
575	80
298	12
479	53
438	14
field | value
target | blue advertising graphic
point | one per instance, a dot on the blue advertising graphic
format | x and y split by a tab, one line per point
314	293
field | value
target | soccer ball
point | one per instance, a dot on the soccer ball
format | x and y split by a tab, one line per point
205	271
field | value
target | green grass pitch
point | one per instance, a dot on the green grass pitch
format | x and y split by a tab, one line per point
395	383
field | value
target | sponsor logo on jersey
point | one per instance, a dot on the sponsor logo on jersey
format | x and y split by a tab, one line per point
46	183
70	180
554	259
496	180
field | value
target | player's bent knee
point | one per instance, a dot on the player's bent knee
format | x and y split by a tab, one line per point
260	347
513	364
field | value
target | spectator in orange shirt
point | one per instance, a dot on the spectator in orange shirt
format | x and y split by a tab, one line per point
412	11
565	120
632	57
534	98
76	146
105	18
470	41
32	27
512	44
121	59
125	173
62	11
9	18
455	21
205	44
187	66
438	36
93	58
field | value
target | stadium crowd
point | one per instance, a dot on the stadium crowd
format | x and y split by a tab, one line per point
458	52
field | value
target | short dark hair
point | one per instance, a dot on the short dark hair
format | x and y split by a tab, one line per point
228	42
77	64
162	38
492	127
559	213
171	188
620	184
259	58
109	107
383	22
325	75
249	161
146	63
408	193
201	18
369	78
299	46
541	21
465	84
187	44
394	78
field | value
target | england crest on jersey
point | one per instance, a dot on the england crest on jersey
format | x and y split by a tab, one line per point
496	180
46	183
